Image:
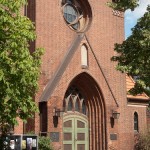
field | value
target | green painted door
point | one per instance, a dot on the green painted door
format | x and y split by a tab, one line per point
75	133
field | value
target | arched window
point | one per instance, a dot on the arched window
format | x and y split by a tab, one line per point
83	108
84	56
77	107
74	101
70	105
136	125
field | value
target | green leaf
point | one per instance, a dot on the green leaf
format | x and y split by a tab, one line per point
19	69
134	54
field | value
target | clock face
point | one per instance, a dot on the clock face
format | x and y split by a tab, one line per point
75	14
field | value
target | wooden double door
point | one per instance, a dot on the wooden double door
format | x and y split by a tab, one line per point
75	132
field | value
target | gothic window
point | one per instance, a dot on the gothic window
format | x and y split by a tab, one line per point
83	107
84	56
74	101
136	126
70	105
77	108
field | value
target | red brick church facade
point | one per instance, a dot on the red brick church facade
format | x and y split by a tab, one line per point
80	91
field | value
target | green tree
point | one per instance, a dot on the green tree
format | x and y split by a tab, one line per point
143	141
123	4
19	69
45	143
134	53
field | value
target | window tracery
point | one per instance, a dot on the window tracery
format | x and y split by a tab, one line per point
74	101
75	14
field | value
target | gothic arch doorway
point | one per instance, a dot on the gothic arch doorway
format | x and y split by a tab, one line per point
84	111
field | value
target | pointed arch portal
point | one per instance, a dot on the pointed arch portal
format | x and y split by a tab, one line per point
84	91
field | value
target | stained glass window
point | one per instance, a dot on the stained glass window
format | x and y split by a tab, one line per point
77	106
74	101
83	108
70	13
69	105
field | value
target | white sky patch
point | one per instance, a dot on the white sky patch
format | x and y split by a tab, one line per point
131	17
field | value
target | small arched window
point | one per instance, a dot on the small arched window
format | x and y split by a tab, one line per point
84	56
77	107
70	105
136	124
83	108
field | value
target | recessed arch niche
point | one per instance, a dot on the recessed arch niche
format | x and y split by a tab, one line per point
95	106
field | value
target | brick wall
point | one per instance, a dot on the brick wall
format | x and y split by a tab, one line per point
106	29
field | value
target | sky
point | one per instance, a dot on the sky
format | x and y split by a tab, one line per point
131	17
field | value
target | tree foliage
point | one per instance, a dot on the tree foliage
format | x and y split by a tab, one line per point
45	143
143	141
134	54
19	69
123	4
